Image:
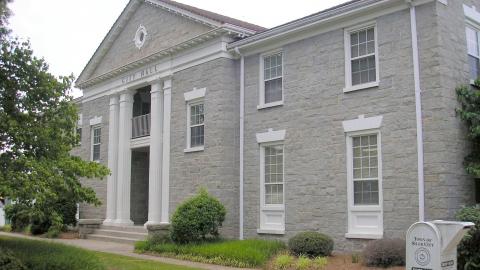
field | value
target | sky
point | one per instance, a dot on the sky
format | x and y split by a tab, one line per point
67	32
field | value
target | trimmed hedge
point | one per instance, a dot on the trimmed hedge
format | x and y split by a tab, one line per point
197	219
311	244
40	255
385	253
8	261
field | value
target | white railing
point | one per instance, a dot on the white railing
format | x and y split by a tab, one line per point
141	126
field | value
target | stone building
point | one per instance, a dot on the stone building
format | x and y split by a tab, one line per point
341	122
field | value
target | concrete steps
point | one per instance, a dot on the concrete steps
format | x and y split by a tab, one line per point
127	234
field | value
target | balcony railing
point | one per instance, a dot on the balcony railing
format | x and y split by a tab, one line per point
141	126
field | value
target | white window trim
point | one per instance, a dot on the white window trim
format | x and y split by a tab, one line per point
261	92
92	128
472	17
348	62
97	120
269	209
271	136
353	128
195	94
188	148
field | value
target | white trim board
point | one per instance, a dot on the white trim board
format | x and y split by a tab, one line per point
271	136
97	120
471	13
195	94
362	123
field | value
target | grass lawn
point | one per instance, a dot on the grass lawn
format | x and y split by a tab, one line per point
41	255
237	253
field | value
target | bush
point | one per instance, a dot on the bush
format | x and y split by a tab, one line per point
197	219
385	253
303	263
19	216
469	248
311	244
8	261
320	262
6	228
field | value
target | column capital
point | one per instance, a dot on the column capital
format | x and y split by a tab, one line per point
126	96
114	99
156	87
167	83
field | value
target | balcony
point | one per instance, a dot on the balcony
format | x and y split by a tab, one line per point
141	126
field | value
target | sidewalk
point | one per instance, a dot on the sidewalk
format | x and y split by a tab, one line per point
122	249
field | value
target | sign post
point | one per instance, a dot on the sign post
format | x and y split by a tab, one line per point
433	245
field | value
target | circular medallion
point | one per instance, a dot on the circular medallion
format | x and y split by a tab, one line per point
422	256
140	36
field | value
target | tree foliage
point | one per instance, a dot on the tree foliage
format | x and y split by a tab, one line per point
469	112
37	132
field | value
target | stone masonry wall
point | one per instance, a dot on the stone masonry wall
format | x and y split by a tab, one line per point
315	152
444	66
215	168
95	108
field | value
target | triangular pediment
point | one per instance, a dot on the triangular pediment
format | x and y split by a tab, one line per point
164	23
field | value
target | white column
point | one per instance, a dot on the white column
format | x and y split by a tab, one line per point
112	161
156	155
124	159
167	106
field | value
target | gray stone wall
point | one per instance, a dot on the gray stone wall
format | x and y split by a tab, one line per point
164	29
139	191
215	168
315	151
444	66
95	108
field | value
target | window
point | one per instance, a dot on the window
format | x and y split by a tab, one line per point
271	89
473	52
196	125
273	174
364	177
361	56
96	142
365	170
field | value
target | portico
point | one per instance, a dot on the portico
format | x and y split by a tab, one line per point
150	128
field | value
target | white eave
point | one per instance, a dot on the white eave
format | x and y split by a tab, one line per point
343	12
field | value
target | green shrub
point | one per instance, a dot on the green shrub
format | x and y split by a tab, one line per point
303	263
311	244
8	261
355	258
385	253
19	216
283	262
6	228
197	219
469	247
320	262
41	255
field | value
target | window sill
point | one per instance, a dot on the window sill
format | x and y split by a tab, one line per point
361	87
277	232
270	105
194	149
363	236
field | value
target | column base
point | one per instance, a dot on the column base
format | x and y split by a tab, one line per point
123	222
109	222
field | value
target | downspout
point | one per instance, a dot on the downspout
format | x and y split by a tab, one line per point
242	114
418	111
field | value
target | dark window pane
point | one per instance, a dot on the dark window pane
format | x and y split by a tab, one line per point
273	90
